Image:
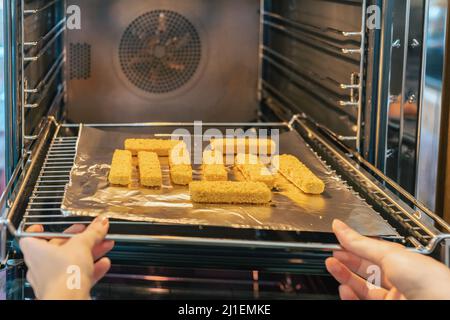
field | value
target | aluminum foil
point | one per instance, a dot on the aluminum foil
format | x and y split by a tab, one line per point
89	194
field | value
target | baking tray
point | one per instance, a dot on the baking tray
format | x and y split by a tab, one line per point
89	194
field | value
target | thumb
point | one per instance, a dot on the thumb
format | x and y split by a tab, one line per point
364	247
95	232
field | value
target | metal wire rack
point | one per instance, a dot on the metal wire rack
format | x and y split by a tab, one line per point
48	192
44	208
32	54
53	163
45	201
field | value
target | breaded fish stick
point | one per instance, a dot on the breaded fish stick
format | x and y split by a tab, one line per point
121	168
252	169
159	146
149	169
213	168
229	192
181	174
180	165
244	145
298	174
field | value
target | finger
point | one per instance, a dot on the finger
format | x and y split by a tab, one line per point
359	266
37	228
394	294
94	234
101	267
75	229
359	286
347	293
364	247
102	249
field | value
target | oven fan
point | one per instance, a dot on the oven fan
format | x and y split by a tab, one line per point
160	51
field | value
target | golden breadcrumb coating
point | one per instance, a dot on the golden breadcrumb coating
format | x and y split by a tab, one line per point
121	168
229	192
180	165
244	145
214	172
298	174
149	169
252	169
159	146
213	168
181	174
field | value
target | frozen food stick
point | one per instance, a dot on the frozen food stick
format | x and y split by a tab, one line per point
213	168
149	169
252	169
298	174
229	192
214	172
121	168
181	174
244	145
180	165
159	146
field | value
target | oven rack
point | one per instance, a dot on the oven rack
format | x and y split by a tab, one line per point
53	161
32	51
44	205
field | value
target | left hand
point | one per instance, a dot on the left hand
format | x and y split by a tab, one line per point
63	269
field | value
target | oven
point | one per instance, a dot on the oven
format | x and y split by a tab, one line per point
361	82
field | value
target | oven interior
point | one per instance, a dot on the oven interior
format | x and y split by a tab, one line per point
298	64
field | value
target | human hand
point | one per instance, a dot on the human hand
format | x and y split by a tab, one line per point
404	274
62	269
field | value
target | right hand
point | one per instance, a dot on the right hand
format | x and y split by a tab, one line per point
404	274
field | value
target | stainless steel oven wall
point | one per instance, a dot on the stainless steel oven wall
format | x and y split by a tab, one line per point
410	94
431	104
312	56
403	46
169	60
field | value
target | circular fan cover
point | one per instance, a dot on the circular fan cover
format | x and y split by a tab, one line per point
160	51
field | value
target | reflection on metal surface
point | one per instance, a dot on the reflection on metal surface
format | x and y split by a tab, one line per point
431	103
403	75
313	57
2	109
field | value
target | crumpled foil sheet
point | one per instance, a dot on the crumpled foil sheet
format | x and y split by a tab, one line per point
89	194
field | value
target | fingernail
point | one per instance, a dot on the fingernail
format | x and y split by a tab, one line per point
334	267
103	220
339	225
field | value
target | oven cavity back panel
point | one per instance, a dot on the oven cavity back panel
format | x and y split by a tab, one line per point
160	51
164	61
79	61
